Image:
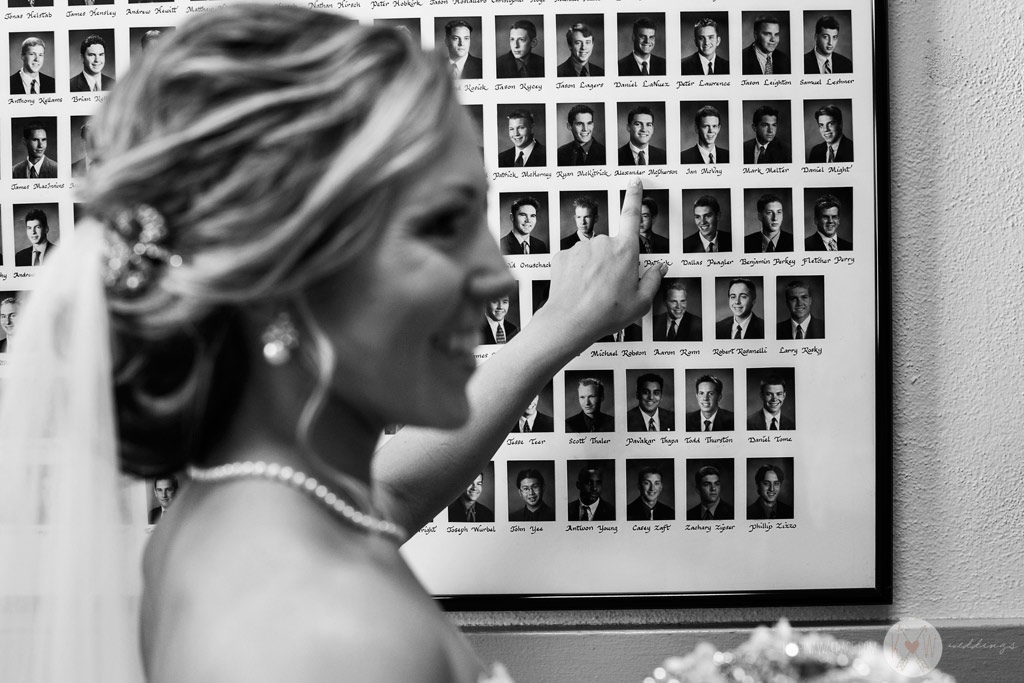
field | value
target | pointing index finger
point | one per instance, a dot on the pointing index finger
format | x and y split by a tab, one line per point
629	219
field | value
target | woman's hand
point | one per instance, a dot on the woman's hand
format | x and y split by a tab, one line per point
595	287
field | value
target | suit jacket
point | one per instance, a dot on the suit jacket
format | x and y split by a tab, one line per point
782	511
3	342
24	256
566	70
687	329
632	333
510	245
155	514
48	169
815	329
819	152
637	511
722	511
46	83
506	67
655	64
840	64
79	84
636	422
457	513
567	155
774	152
814	243
755	421
541	423
473	68
724	421
544	513
24	3
692	156
538	157
752	242
655	156
659	244
510	331
568	242
780	62
691	66
755	329
577	423
605	511
693	245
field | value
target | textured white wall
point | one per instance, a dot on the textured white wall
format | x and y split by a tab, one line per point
957	144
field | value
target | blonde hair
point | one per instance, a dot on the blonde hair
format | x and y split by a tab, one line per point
273	140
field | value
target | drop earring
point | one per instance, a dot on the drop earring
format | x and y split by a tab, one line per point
279	339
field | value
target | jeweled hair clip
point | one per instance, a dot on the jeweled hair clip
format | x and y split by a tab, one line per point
135	248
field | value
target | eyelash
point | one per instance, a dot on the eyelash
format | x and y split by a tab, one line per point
446	225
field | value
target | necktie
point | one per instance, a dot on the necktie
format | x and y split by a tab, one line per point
584	513
706	514
799	332
471	513
455	71
526	247
526	426
831	155
828	66
641	158
774	425
770	247
711	158
768	68
96	86
707	425
521	68
711	68
32	88
672	331
831	245
650	512
739	333
35	258
32	173
643	69
499	334
711	248
645	245
759	154
650	425
579	156
591	424
519	159
584	72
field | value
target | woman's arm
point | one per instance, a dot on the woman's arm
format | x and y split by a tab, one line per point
594	291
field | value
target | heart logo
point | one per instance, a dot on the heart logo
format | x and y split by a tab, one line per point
912	646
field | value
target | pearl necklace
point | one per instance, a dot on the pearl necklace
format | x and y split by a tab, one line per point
302	482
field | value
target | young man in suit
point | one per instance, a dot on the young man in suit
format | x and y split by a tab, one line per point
769	480
650	241
584	149
801	324
521	61
765	147
676	323
458	35
519	239
29	80
770	417
590	394
836	148
708	482
585	214
530	485
581	46
497	330
826	220
707	123
823	58
36	164
705	61
709	417
590	506
708	238
648	415
642	61
526	151
763	56
646	506
770	237
532	420
467	508
164	490
743	323
94	57
37	228
638	150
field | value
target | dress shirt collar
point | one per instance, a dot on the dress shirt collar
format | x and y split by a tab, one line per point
38	165
711	508
640	62
704	62
802	325
647	420
708	419
705	152
743	326
523	420
768	419
459	63
762	57
821	60
27	79
95	82
578	66
527	151
592	507
706	242
825	239
494	327
634	150
773	239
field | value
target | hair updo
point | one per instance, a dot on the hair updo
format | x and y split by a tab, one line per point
273	140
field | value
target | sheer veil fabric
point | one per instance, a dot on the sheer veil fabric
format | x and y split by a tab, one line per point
70	545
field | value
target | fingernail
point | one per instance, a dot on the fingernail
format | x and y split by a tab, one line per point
634	182
664	268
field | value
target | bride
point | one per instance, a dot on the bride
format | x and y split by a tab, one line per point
285	250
